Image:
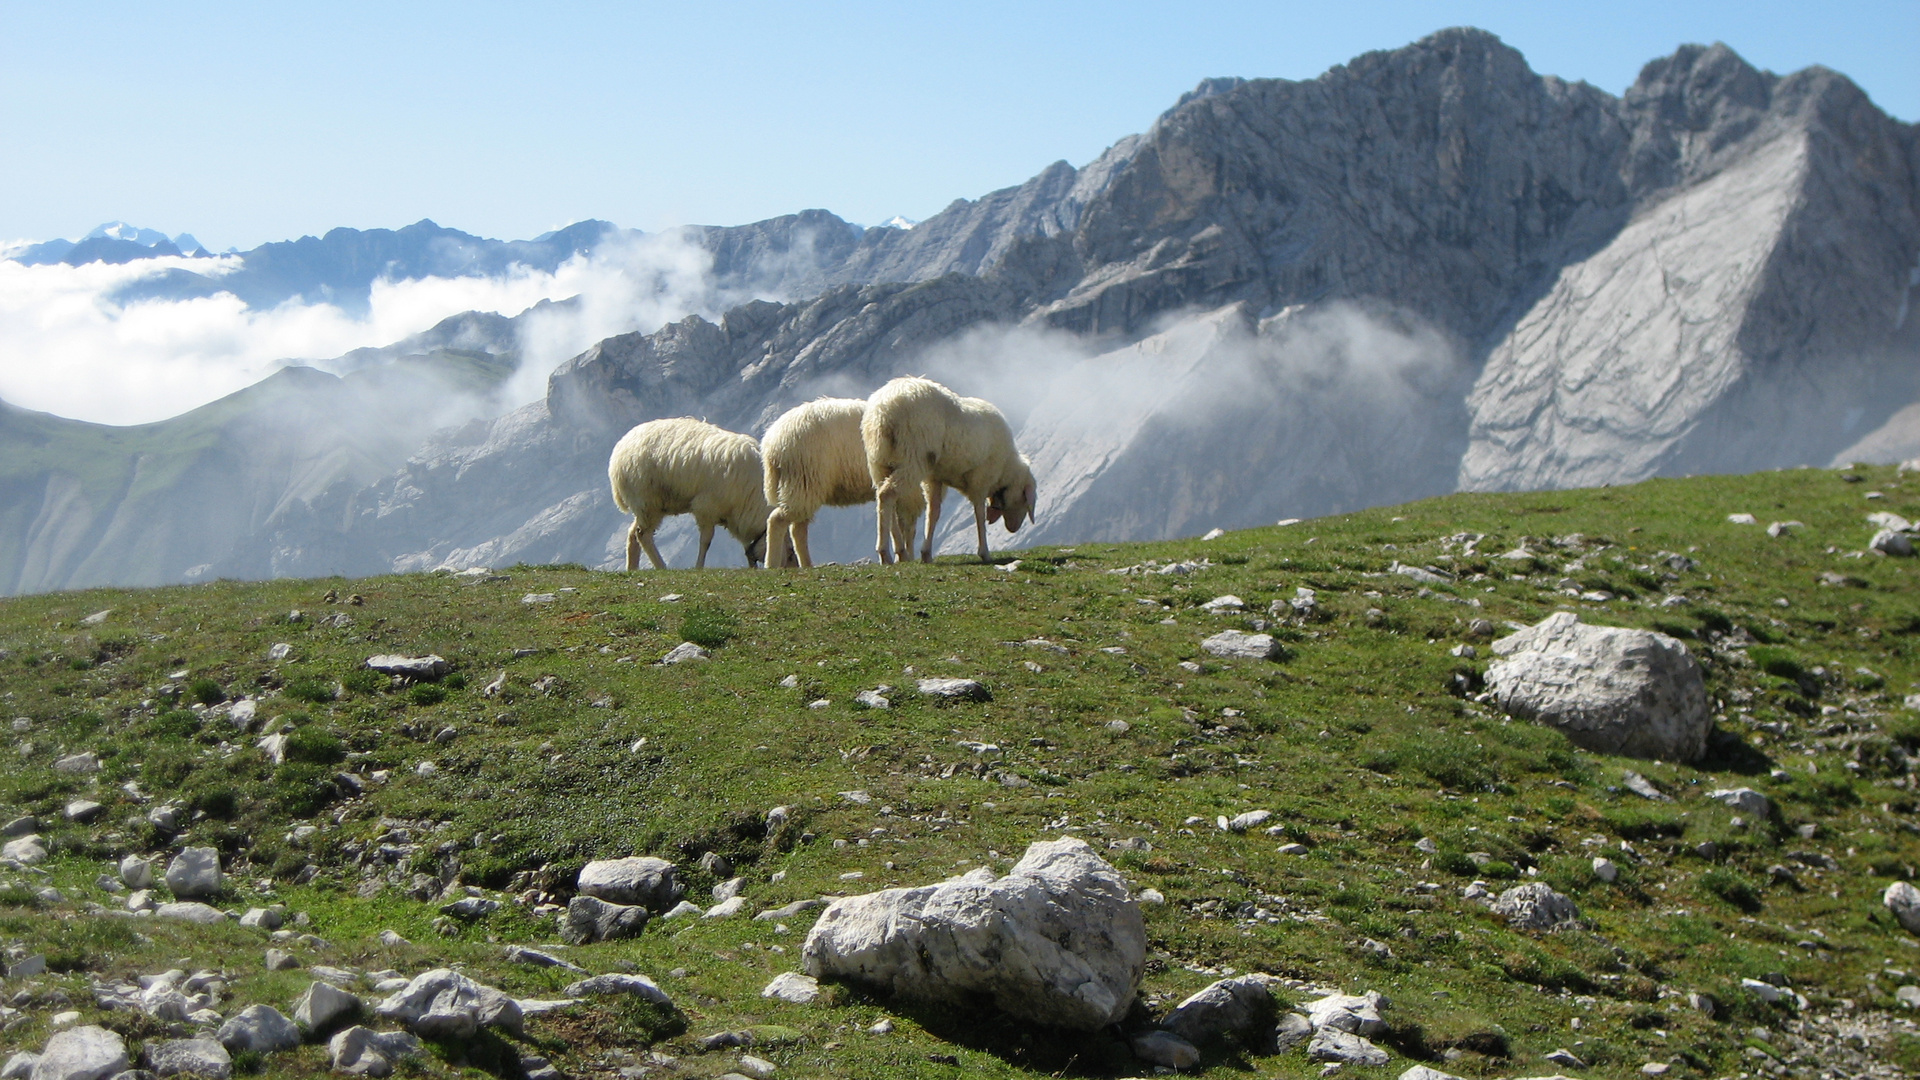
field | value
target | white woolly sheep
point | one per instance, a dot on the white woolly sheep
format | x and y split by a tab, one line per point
919	433
814	457
688	466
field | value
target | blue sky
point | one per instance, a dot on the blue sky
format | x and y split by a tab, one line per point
253	122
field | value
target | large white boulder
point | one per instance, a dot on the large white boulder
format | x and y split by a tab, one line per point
1611	690
323	1007
360	1051
194	873
82	1053
444	1004
651	883
192	1057
261	1028
1058	941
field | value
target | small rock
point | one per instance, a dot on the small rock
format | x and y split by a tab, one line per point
191	911
19	1066
279	651
260	1028
1232	644
1228	602
1564	1058
684	652
1906	995
410	667
1903	900
637	985
88	762
1891	542
520	954
83	811
1742	519
1643	787
589	919
324	1007
1329	1044
884	1027
1235	1007
29	967
20	826
872	700
195	872
470	908
1422	1072
96	618
726	909
1765	991
136	872
681	910
1164	1049
955	690
1292	1030
1535	906
280	960
729	888
28	850
362	1051
651	883
262	918
82	1053
195	1057
1252	819
792	986
1604	869
1293	849
1356	1013
1745	800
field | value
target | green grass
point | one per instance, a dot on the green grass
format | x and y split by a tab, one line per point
1362	741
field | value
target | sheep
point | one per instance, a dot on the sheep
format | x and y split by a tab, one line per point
814	457
919	433
688	466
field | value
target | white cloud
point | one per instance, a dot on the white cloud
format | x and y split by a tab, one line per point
67	348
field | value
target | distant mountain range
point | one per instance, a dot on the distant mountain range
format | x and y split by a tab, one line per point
1427	269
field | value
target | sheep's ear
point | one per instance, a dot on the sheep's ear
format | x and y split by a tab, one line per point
993	513
1032	499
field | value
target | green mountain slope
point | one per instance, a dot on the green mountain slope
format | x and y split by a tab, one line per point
1364	739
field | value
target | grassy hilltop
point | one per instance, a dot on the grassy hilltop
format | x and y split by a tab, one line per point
1363	740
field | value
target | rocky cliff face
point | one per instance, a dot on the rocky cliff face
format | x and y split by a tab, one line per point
1427	268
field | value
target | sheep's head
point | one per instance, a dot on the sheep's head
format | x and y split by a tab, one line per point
757	550
1016	502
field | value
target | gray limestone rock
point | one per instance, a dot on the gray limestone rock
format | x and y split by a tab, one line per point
136	872
1535	906
1237	1008
28	849
588	919
361	1051
1237	644
1355	1013
1164	1049
411	667
19	1066
1346	1048
194	873
324	1007
637	985
1903	900
191	911
792	987
81	1053
1744	799
197	1057
1057	941
1610	690
261	1028
651	883
955	690
444	1004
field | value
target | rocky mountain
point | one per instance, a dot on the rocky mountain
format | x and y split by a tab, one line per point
1428	268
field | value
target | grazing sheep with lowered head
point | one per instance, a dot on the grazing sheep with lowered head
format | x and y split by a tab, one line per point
919	433
688	466
814	457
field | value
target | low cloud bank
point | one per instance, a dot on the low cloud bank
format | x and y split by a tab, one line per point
68	348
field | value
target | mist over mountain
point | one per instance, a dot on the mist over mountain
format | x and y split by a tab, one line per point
1428	268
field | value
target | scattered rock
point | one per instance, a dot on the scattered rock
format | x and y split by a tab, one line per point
1604	869
88	762
27	850
684	652
649	882
726	909
1422	1072
136	872
1355	1013
83	811
410	667
1903	900
280	960
1252	819
1331	1044
470	908
20	826
1643	787
1891	542
192	911
1564	1058
872	699
362	1051
19	1066
204	1058
637	985
1164	1049
29	967
1746	800
82	1053
1611	690
788	911
681	910
195	872
1291	1030
1228	602
444	1004
1236	1007
520	954
260	1028
279	651
1057	941
791	986
324	1007
1535	906
1236	644
391	938
261	918
955	690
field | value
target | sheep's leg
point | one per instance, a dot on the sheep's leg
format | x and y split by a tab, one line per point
886	502
653	553
980	528
800	549
936	496
706	541
776	538
633	546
